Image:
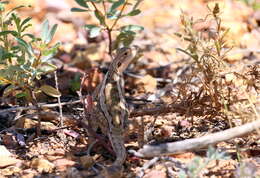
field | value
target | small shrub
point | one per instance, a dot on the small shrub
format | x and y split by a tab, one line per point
24	58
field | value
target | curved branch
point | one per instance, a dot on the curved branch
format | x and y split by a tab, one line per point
196	143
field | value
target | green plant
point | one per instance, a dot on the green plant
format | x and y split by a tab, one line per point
24	58
195	167
108	13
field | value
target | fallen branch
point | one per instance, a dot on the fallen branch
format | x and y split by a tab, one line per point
42	105
164	109
196	143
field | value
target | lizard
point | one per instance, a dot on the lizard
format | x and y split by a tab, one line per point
111	109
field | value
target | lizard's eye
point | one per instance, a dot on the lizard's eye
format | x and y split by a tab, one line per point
126	53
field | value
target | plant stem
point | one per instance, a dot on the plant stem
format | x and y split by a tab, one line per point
109	32
110	29
120	14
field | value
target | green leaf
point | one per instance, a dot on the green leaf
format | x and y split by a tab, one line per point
116	4
46	68
75	9
25	21
137	4
21	95
113	15
18	7
29	35
111	1
49	53
2	7
51	33
125	38
14	33
75	83
48	34
45	30
2	51
94	30
26	46
17	21
25	27
100	17
134	12
82	3
5	55
95	1
132	28
49	90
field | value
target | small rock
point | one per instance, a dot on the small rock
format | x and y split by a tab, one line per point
42	165
8	161
63	164
6	158
155	174
9	140
11	170
27	123
4	151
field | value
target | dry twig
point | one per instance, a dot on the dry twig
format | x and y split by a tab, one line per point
196	143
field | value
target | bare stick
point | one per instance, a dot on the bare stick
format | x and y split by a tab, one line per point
180	108
40	105
59	102
196	143
138	112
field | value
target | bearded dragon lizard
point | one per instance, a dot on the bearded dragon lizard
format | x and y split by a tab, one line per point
112	110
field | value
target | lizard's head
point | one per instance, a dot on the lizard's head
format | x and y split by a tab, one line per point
124	57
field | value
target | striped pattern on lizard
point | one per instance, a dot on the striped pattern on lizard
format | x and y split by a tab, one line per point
112	110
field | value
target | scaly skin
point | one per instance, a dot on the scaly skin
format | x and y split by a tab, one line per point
113	109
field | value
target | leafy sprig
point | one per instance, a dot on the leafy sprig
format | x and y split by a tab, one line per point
106	11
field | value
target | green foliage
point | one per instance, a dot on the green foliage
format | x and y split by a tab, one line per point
24	57
112	11
198	164
75	83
